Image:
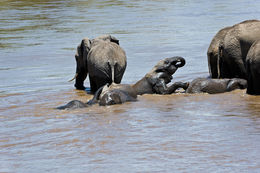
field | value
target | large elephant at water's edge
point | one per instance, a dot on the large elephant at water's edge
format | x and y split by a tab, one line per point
102	58
234	47
213	51
228	49
253	69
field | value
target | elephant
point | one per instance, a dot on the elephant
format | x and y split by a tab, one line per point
111	94
154	82
214	86
253	69
103	59
213	51
74	104
234	47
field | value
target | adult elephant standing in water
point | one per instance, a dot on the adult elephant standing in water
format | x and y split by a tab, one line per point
103	59
253	69
213	51
234	48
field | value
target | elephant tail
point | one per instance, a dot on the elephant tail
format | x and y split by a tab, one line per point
112	68
220	54
113	73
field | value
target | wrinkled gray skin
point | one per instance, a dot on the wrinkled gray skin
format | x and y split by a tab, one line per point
234	48
154	82
253	69
103	59
214	86
114	94
213	51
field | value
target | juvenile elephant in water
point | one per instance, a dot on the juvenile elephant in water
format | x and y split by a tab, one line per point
234	48
214	86
103	59
253	69
154	82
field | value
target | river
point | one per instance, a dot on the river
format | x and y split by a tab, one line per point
173	133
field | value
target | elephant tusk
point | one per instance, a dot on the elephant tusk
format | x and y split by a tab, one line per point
73	77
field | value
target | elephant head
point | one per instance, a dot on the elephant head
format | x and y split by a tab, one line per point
113	54
169	65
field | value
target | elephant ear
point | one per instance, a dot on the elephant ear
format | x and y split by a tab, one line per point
81	54
114	39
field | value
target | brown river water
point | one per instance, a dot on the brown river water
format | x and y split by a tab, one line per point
172	133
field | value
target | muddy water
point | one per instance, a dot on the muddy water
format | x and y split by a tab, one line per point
175	133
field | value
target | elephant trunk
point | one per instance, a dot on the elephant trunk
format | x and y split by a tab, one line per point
178	61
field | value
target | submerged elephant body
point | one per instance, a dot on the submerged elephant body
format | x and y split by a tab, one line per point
253	69
103	59
214	86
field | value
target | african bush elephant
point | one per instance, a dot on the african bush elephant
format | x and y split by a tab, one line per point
234	47
103	59
213	51
154	82
214	86
253	69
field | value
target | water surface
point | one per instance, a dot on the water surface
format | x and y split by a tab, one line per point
174	133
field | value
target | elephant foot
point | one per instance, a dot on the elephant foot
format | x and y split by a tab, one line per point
80	87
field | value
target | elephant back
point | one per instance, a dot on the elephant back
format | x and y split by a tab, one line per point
105	57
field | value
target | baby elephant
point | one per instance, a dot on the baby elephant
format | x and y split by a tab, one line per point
214	86
114	94
109	94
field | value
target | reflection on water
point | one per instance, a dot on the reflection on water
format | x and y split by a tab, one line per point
174	133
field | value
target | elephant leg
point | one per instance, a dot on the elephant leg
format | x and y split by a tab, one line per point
239	69
161	87
232	85
93	85
213	70
253	79
97	82
171	89
224	70
81	76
